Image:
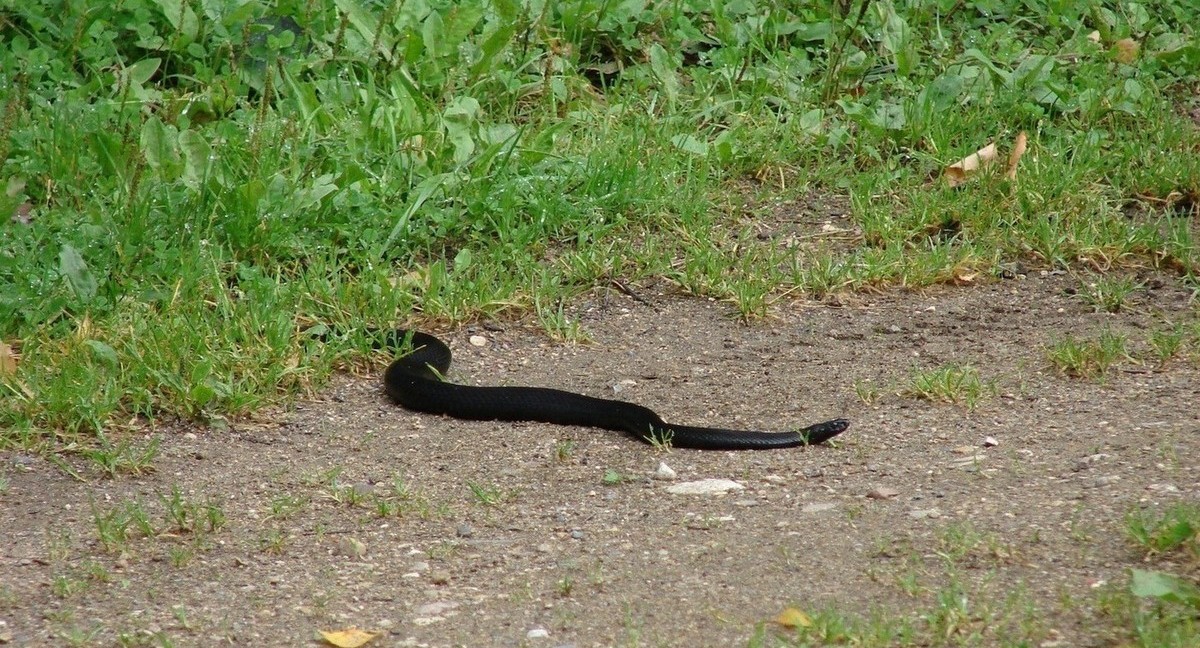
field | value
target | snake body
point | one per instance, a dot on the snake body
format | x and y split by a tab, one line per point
414	382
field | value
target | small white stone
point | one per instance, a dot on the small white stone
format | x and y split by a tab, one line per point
622	385
537	633
990	442
664	472
705	487
478	340
882	493
817	507
352	547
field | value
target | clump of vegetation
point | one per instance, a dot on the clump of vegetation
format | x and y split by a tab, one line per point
1089	358
952	383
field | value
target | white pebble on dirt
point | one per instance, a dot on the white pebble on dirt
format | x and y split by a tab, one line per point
623	385
705	487
664	472
882	492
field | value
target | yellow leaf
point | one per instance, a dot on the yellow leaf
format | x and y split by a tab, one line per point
958	172
1015	156
348	638
793	618
8	359
1127	50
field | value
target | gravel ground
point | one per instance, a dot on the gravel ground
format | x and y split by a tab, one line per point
346	511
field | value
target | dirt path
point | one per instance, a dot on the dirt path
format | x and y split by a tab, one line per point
350	512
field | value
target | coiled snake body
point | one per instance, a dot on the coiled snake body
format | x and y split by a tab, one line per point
413	381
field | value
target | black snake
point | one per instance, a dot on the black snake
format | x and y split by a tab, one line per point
414	382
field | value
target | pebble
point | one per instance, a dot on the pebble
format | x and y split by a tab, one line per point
1089	461
705	487
664	472
1163	488
478	340
623	385
352	547
882	492
990	442
537	633
464	531
817	507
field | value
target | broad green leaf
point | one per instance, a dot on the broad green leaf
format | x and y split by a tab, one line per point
459	120
462	260
433	34
303	94
173	10
75	270
691	144
811	121
103	352
422	191
492	46
1164	586
140	72
202	394
890	116
158	145
321	187
663	67
459	23
109	150
365	23
197	159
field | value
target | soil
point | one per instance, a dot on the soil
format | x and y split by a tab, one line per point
347	511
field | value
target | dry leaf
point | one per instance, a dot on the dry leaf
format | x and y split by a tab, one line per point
793	618
23	214
8	360
958	172
348	638
1127	50
1015	155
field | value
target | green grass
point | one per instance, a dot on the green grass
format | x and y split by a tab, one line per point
1109	294
489	495
952	383
204	197
1175	529
1089	358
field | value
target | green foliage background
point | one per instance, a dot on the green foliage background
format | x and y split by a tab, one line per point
210	182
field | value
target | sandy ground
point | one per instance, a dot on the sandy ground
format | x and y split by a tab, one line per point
347	511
